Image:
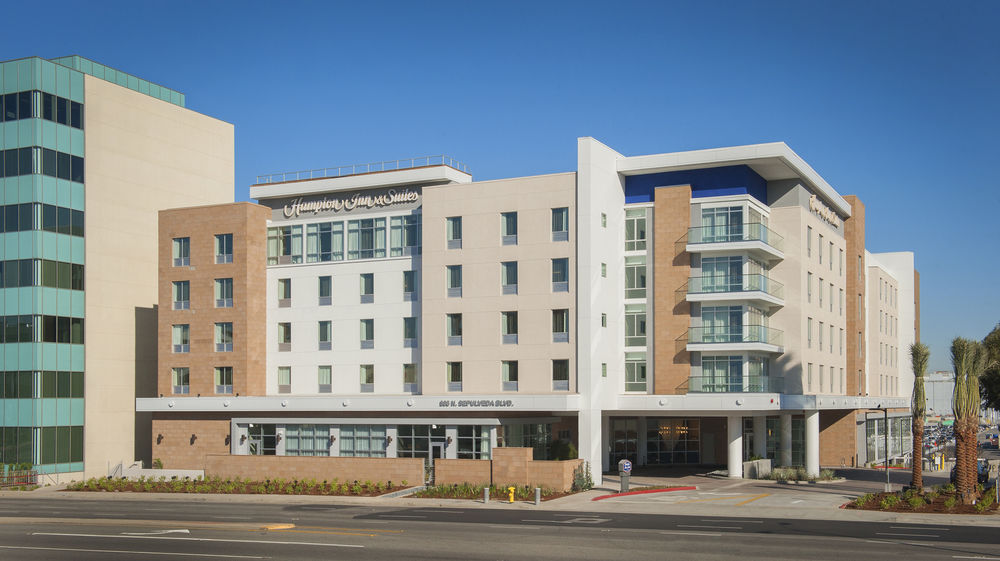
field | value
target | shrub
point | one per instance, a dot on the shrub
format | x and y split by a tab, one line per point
864	499
950	502
984	503
948	488
826	474
888	502
916	502
582	480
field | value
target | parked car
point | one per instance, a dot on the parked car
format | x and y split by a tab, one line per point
982	471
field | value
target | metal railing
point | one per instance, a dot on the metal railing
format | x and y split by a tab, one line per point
735	384
735	283
736	334
355	169
736	233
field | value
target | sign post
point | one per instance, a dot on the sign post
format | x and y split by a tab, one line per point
624	473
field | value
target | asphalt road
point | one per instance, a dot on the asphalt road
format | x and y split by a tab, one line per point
75	529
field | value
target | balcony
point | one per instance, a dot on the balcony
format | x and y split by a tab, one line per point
759	240
757	289
735	338
735	384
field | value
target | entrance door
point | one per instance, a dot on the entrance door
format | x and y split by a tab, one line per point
437	450
624	441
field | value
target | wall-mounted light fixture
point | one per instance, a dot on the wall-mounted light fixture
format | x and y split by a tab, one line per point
278	438
388	440
333	438
159	438
449	441
243	438
193	438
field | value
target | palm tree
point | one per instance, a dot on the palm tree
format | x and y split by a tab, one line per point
969	359
919	354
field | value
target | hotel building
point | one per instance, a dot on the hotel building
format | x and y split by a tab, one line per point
88	155
684	308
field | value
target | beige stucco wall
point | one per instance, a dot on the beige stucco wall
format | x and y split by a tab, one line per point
142	155
883	340
793	222
480	204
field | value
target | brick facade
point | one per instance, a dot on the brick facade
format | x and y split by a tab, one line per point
320	468
671	269
854	234
183	443
512	466
838	434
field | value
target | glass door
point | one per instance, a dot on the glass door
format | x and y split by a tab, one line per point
624	441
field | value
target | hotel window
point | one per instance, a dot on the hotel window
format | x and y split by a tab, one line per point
860	269
635	325
453	232
284	245
180	380
284	293
324	377
453	278
508	372
181	338
840	261
560	375
224	337
635	372
560	224
182	252
508	277
841	342
604	370
410	378
860	348
809	287
325	290
809	377
508	228
473	442
409	286
367	288
831	296
307	440
635	277
410	332
604	319
819	249
841	301
830	256
819	291
560	326
560	275
722	224
809	241
223	293
604	270
325	335
861	308
182	295
362	441
368	333
224	379
367	378
404	235
820	331
635	229
454	376
284	336
604	220
821	375
223	248
453	324
809	333
508	327
366	238
324	242
831	338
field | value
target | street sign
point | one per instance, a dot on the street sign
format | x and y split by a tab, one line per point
626	466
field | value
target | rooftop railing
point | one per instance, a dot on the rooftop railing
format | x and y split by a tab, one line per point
355	169
736	233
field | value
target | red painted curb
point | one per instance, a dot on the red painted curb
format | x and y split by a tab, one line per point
890	467
646	492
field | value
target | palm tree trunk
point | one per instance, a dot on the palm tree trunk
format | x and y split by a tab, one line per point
918	454
966	485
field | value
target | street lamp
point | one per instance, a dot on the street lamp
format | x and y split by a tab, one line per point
885	462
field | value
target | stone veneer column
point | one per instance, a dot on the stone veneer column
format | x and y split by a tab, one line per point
672	267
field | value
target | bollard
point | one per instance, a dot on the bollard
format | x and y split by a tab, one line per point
510	492
486	495
538	496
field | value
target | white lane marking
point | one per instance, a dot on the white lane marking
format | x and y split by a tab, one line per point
398	516
737	521
445	511
577	520
512	526
156	533
796	502
237	517
913	528
133	552
707	526
191	539
973	557
908	535
678	533
873	541
160	509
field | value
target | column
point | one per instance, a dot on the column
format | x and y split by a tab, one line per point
785	457
590	441
760	436
734	427
812	442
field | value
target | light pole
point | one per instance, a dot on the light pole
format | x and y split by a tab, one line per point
885	462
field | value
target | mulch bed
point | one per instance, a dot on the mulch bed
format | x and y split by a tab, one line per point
290	487
935	507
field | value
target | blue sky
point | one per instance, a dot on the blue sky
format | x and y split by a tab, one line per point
895	102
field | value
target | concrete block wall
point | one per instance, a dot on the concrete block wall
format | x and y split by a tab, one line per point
512	466
260	468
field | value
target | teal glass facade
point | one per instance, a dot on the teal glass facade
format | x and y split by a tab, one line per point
41	402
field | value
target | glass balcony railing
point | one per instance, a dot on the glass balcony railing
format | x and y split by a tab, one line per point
735	283
735	384
736	334
736	233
